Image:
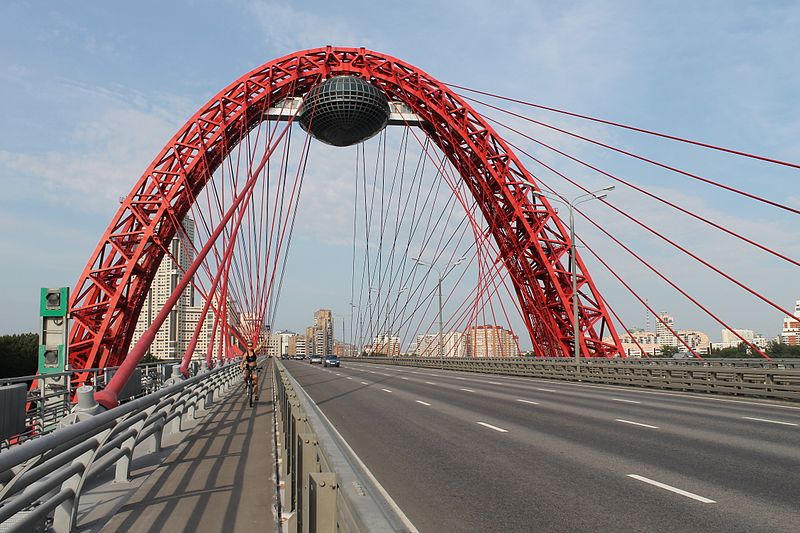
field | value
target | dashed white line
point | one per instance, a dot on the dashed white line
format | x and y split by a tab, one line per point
528	401
364	383
545	390
770	421
672	489
495	383
348	377
430	383
338	374
386	390
405	378
635	423
501	430
423	403
624	400
384	374
467	390
462	379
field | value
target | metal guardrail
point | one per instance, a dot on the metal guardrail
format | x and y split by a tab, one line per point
326	488
44	477
779	379
50	398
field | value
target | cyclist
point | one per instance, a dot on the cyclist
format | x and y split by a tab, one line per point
248	365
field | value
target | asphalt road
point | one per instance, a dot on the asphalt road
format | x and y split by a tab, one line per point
477	452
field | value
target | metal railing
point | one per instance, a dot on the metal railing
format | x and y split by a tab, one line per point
779	379
42	479
48	397
326	488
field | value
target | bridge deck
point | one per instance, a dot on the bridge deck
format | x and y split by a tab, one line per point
220	478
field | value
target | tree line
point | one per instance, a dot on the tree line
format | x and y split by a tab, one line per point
19	355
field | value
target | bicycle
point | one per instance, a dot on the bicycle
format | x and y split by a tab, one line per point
248	383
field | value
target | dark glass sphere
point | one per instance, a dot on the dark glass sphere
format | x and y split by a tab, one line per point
344	110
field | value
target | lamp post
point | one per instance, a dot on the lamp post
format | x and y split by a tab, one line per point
572	252
441	276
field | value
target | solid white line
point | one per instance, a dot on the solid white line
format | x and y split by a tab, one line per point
386	390
545	390
771	421
423	403
624	400
528	401
636	423
364	383
366	471
501	430
672	489
467	390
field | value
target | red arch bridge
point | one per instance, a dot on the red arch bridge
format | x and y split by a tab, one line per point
484	242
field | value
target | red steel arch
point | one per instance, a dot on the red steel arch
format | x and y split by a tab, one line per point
531	238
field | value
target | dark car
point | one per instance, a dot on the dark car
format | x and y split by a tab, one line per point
330	360
285	356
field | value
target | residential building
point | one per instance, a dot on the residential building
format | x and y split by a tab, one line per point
791	328
491	341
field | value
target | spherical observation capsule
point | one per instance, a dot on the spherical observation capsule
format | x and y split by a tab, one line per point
344	110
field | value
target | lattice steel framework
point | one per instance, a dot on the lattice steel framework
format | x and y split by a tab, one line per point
532	240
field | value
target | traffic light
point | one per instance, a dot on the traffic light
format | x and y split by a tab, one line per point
54	311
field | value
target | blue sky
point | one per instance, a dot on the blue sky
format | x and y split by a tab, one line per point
91	91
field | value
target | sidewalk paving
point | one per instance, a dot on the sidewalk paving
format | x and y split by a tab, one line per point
220	478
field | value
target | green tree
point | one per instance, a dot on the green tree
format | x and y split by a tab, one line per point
780	350
668	351
19	355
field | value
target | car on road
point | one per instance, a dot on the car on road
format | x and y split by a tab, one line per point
315	359
331	360
285	356
298	357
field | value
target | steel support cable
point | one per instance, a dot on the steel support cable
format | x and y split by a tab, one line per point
639	157
636	295
288	222
108	396
669	281
631	128
646	193
659	235
224	274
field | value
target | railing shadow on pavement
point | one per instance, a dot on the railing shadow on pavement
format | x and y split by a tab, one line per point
41	480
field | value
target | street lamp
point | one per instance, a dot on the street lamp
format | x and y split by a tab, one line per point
448	267
572	253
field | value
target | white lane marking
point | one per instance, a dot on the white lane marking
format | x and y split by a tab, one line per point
384	374
624	400
386	390
528	401
635	423
495	383
338	374
462	379
413	372
348	377
423	403
545	390
501	430
405	378
467	390
672	489
369	474
364	383
770	421
430	383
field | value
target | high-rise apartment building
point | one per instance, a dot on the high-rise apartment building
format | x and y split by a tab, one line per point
385	344
791	328
491	341
323	332
454	344
170	341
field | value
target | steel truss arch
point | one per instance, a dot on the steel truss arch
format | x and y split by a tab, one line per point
532	240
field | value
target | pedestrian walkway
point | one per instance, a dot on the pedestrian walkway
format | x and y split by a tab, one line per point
220	478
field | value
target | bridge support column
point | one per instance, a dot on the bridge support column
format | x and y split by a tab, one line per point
321	498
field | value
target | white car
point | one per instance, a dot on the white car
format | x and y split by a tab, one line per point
315	359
